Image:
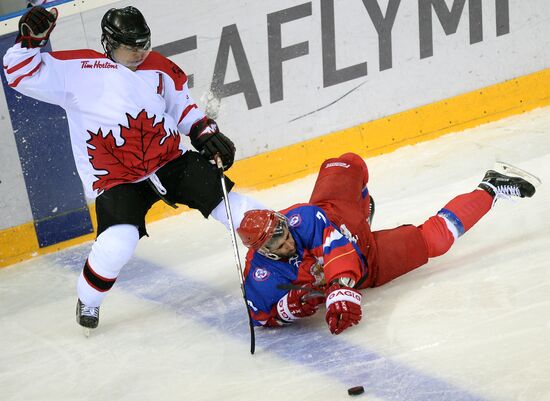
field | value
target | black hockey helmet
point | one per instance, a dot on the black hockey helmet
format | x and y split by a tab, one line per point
125	26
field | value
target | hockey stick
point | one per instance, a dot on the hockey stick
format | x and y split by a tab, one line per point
297	287
312	292
219	164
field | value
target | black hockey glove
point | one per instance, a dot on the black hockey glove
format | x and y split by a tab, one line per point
35	27
209	141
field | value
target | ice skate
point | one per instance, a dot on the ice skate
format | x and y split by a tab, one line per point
87	316
507	181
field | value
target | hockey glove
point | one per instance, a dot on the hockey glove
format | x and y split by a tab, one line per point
343	307
209	141
35	27
297	304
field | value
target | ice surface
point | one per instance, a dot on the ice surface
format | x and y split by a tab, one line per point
473	324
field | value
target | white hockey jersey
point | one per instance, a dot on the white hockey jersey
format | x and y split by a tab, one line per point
124	124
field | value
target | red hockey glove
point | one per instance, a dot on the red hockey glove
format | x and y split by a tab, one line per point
297	304
35	27
343	307
208	140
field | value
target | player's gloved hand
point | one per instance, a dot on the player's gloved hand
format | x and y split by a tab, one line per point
208	140
343	307
35	27
297	304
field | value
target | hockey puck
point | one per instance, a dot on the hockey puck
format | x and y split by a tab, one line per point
356	390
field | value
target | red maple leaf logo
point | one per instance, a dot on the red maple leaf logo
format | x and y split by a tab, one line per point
146	147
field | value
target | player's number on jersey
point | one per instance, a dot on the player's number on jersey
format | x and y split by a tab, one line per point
320	216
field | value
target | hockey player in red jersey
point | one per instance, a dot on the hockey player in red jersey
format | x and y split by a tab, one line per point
126	110
325	252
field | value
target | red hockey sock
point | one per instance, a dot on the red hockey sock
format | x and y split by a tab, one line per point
465	210
457	217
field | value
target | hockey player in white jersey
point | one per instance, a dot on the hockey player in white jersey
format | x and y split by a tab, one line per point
126	110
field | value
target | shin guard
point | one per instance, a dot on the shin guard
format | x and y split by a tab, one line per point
112	249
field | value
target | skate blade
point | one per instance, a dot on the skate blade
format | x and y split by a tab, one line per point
87	331
506	168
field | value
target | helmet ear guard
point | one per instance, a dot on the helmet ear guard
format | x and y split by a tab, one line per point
270	255
108	45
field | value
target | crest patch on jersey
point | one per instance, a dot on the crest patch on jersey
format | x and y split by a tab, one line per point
295	220
260	274
145	147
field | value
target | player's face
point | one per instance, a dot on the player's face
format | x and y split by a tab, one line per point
130	57
282	245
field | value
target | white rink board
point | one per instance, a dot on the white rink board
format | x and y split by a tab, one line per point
472	325
498	41
456	66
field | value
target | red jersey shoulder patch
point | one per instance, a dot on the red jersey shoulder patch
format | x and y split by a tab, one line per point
156	61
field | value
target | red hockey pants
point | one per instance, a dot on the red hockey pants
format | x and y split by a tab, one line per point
341	191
